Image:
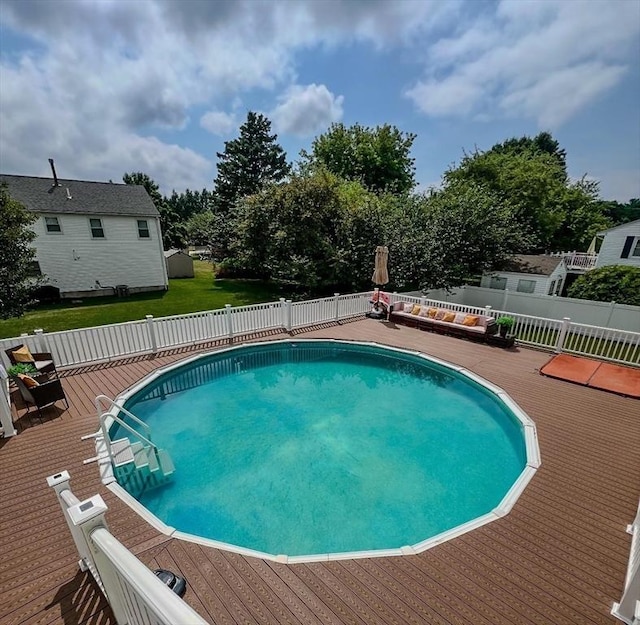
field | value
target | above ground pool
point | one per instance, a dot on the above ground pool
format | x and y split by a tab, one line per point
328	447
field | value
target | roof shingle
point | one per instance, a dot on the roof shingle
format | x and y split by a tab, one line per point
40	195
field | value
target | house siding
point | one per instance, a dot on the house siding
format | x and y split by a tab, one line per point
613	244
72	260
542	282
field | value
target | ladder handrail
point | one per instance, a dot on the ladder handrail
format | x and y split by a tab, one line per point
113	403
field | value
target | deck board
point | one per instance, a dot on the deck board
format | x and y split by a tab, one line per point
558	558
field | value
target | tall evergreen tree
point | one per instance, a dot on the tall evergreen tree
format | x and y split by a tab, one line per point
173	230
249	163
16	255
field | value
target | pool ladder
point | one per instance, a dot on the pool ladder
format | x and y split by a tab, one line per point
138	465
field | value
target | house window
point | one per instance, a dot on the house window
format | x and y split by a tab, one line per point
526	286
552	287
34	270
52	224
636	249
498	282
97	231
631	247
143	229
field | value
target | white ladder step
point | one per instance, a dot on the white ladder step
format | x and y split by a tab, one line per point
121	452
165	462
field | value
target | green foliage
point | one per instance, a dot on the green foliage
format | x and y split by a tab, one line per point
506	322
249	163
530	174
190	203
614	283
619	213
16	255
21	368
377	157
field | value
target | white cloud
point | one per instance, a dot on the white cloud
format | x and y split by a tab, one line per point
218	122
540	60
303	111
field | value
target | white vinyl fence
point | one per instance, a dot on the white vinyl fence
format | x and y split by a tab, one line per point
135	595
628	610
76	347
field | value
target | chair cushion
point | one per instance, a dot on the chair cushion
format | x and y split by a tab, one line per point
416	309
22	355
460	317
43	364
29	382
449	316
408	307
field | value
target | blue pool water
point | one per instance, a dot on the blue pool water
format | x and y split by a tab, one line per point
321	447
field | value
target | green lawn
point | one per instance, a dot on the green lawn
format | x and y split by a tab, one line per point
184	296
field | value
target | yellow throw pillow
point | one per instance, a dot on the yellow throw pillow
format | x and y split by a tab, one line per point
432	312
22	355
29	382
470	320
449	316
415	310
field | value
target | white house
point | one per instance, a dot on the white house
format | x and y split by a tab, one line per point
620	245
539	274
93	236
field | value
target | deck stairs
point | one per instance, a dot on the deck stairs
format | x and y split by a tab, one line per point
138	464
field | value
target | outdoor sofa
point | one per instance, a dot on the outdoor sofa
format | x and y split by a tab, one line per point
441	320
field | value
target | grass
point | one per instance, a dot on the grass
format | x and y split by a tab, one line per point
184	296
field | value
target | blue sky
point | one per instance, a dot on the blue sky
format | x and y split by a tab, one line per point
108	86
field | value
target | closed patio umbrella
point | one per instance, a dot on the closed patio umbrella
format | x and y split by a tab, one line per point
381	273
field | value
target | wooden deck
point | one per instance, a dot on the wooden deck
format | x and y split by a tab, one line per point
558	558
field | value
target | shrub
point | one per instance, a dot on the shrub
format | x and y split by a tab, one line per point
614	283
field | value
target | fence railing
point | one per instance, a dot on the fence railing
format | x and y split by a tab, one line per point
75	347
628	610
135	595
558	335
578	260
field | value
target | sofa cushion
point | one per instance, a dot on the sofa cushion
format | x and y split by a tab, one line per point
449	316
416	309
408	307
459	318
440	313
470	321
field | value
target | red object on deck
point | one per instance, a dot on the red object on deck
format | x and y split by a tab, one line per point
594	373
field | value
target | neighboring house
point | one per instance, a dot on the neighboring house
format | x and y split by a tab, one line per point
179	264
539	274
620	245
93	236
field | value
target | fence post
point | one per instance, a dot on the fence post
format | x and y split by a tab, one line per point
6	417
152	334
611	309
88	516
336	302
60	482
42	341
505	299
487	309
566	322
227	312
283	313
288	317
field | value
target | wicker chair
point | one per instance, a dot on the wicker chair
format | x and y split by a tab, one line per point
42	361
41	395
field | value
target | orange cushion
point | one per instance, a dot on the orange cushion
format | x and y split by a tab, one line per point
22	355
449	316
470	320
416	309
432	312
29	382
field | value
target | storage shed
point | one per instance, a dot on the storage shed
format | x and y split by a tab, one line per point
179	264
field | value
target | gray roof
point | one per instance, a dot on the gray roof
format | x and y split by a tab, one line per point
173	252
540	264
635	223
87	198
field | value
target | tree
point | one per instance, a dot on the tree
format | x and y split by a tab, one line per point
530	174
173	231
613	283
249	163
16	255
379	157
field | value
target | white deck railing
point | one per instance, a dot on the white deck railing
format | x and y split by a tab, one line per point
628	610
582	261
135	594
75	347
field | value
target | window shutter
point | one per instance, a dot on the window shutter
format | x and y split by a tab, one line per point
627	247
